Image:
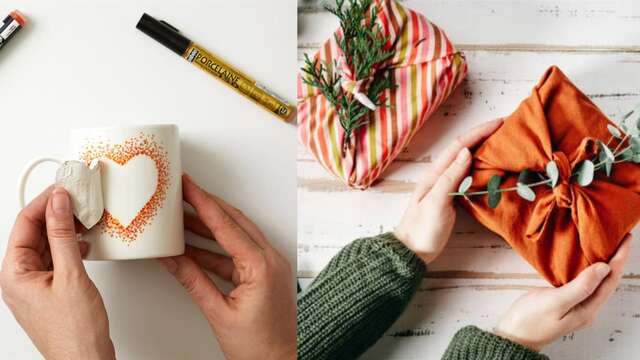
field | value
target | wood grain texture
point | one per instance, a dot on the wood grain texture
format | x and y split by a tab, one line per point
508	45
584	25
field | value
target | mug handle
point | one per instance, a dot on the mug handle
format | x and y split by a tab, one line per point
22	184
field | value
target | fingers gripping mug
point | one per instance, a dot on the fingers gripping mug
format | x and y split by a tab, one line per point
141	175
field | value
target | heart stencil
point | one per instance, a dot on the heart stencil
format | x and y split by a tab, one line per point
135	180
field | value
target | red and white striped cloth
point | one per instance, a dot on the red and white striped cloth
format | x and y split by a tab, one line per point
425	69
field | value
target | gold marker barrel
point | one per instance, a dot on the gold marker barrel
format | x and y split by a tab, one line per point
170	37
234	78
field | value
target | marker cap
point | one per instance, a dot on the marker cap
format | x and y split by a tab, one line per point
164	33
17	15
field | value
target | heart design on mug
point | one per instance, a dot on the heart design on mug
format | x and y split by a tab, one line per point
135	180
138	176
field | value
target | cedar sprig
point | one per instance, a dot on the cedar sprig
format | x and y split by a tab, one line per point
362	41
363	44
627	150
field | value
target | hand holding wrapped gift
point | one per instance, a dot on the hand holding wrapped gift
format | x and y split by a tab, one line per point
582	209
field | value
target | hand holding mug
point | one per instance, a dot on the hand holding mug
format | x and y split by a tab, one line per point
46	286
140	189
427	223
542	316
261	307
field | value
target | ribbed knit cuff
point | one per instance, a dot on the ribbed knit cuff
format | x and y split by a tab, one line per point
356	297
405	261
472	343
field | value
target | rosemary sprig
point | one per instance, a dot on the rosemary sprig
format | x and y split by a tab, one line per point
363	44
584	172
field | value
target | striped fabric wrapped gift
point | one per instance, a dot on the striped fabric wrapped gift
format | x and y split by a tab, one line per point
425	68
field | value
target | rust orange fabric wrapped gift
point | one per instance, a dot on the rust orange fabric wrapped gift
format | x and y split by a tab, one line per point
568	227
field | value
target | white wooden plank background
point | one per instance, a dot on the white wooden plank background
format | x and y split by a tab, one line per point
508	45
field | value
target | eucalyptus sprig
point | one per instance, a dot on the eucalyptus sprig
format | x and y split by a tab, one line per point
627	150
364	45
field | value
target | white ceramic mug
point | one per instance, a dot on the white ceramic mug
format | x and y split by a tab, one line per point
141	187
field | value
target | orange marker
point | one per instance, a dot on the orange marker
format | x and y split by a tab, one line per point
10	26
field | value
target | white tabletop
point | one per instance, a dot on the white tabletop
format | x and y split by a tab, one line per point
82	65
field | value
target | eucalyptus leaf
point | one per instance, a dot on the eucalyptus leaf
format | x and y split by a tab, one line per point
626	155
636	158
465	184
609	154
608	167
602	156
585	172
604	159
614	131
494	183
525	192
526	177
493	188
635	144
553	172
494	199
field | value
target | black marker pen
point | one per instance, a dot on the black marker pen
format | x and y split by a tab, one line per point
10	26
170	37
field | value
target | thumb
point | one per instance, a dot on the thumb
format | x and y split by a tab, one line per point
582	287
61	232
449	180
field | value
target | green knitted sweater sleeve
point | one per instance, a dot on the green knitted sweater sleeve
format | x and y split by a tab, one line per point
355	299
471	343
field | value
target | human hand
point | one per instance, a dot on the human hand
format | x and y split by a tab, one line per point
541	316
257	319
46	286
428	221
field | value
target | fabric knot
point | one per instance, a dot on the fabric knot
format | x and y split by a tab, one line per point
564	166
563	194
562	191
356	87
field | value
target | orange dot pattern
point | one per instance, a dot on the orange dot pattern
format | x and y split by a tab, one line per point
142	144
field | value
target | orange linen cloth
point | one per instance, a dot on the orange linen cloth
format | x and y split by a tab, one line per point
569	227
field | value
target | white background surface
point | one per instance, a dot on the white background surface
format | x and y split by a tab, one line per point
83	64
508	45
